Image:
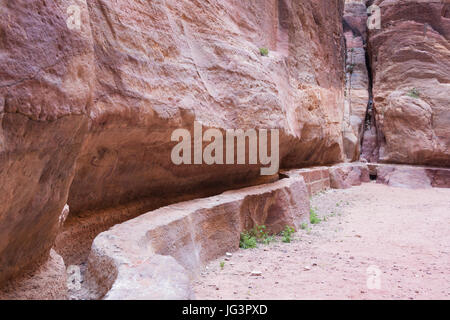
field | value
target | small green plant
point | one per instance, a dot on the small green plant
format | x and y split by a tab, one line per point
414	93
267	240
247	241
287	234
264	52
260	232
222	264
251	238
313	218
304	226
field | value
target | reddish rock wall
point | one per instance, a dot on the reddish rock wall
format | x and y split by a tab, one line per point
317	178
93	109
45	90
161	65
410	57
357	77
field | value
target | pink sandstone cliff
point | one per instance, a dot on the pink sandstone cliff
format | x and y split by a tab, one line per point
410	59
87	114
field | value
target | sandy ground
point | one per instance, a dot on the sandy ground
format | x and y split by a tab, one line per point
377	242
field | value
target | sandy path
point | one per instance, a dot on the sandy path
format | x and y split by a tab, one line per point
404	233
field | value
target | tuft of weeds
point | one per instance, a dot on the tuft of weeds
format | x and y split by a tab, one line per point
264	52
260	232
222	264
268	240
248	241
251	238
287	234
313	217
304	226
259	235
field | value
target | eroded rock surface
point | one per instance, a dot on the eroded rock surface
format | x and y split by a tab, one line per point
193	233
412	177
410	57
87	114
47	282
357	77
160	65
45	90
91	106
317	179
347	175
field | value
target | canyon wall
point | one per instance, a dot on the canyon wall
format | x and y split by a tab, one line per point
410	58
357	77
160	65
87	111
45	89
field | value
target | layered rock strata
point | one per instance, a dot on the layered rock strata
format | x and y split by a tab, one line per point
46	80
357	78
91	91
410	58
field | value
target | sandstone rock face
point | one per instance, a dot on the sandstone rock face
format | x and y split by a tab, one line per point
155	278
193	233
92	105
316	178
404	177
440	178
410	57
357	77
347	175
369	150
75	239
133	72
48	282
45	89
413	177
160	65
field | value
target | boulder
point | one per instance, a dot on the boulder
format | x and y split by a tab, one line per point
317	179
347	175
